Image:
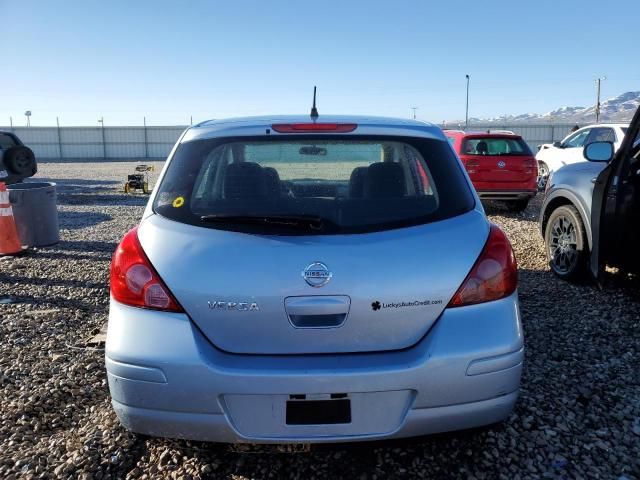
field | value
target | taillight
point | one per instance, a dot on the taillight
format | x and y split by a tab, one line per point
531	165
314	127
134	281
471	165
494	275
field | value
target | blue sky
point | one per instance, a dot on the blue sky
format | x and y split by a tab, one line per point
170	60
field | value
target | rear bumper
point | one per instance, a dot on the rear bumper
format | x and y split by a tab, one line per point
216	426
167	380
506	194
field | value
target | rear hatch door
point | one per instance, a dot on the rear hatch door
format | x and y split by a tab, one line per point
498	162
247	293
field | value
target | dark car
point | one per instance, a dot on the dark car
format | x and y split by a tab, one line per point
17	161
590	215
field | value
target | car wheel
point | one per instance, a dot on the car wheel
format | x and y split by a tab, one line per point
20	160
543	175
518	205
565	242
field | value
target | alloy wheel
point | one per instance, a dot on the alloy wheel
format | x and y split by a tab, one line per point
563	245
543	175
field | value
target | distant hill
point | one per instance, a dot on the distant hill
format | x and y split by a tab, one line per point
617	109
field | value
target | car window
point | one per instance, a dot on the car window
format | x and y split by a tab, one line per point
577	139
601	134
495	146
6	141
354	185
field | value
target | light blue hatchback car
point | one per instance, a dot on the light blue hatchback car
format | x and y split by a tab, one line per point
299	280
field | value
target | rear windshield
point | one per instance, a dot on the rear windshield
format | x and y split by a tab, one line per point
495	146
319	185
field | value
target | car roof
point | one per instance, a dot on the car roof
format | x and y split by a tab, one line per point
367	125
481	134
606	125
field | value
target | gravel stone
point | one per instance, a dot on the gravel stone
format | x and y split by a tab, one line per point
578	415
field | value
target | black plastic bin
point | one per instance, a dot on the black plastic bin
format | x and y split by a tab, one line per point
35	213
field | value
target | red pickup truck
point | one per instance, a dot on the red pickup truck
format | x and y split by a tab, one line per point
500	165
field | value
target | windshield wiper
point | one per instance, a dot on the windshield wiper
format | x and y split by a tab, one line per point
310	222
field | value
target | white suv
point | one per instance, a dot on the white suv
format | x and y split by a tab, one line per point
551	157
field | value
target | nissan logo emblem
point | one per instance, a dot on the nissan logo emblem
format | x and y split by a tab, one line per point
317	274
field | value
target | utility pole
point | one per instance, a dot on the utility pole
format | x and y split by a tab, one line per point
598	81
414	112
466	116
28	115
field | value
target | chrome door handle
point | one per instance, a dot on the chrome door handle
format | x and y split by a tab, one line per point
594	179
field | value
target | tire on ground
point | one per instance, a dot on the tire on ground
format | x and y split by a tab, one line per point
20	160
576	271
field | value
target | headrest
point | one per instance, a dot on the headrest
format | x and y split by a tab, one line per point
384	180
244	180
273	181
356	182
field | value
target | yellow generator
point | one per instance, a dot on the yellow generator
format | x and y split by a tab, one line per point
140	180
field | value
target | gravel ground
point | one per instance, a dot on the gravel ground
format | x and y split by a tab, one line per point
578	415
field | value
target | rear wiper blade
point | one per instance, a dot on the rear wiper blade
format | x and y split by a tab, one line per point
297	221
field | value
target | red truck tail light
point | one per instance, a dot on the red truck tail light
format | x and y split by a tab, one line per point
494	275
134	281
314	127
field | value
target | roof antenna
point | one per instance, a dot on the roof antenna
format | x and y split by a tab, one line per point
314	110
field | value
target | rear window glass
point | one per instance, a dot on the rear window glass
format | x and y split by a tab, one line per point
495	146
319	185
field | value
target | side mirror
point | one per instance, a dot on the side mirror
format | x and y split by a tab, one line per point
598	151
557	144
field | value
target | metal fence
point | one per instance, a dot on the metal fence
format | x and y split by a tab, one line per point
99	142
156	142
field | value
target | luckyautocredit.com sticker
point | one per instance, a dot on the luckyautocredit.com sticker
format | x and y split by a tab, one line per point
375	306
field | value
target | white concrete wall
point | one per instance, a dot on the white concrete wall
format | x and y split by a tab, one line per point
96	142
131	142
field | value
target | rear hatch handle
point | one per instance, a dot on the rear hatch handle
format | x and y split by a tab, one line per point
317	311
